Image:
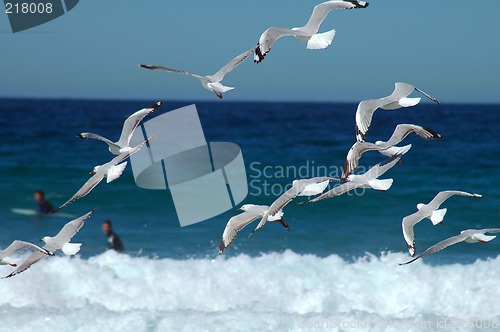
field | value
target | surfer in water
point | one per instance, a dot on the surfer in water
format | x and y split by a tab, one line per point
114	241
43	205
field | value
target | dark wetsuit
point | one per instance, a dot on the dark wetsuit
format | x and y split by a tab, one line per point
114	242
44	207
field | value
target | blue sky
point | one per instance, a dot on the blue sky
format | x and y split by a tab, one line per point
448	48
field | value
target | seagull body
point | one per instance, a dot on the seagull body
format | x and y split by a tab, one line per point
238	222
387	148
129	127
59	242
210	82
303	187
7	253
396	100
366	180
469	236
308	33
111	171
430	210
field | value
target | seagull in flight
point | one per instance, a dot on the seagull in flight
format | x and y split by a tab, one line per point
238	222
469	236
430	210
59	242
7	253
398	98
387	148
366	180
303	187
111	171
309	32
210	82
129	127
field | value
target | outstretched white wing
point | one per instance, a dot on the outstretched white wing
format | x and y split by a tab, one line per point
444	195
170	70
403	130
321	11
219	76
133	122
20	245
234	225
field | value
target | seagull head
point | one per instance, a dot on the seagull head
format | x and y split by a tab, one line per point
378	142
92	172
245	207
350	177
420	206
46	239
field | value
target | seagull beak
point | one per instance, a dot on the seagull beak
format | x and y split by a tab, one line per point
240	209
92	172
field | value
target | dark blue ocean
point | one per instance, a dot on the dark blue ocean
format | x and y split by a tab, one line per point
337	264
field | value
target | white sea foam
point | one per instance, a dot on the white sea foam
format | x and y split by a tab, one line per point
278	292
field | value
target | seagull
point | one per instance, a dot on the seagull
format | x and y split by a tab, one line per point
111	171
309	32
211	82
396	100
469	236
238	222
387	148
129	127
366	180
302	187
59	242
16	246
431	211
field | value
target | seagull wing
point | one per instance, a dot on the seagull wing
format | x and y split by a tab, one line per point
403	130
278	205
267	40
84	190
381	168
170	70
427	95
408	223
96	136
20	245
67	232
440	246
133	122
321	11
353	156
444	195
234	225
27	263
219	76
336	191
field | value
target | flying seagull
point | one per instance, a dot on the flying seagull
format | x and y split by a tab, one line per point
302	187
366	180
59	242
238	222
210	82
387	148
396	100
111	171
469	236
430	210
7	253
129	127
309	32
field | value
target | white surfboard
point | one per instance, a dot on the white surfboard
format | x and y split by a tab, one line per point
31	212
